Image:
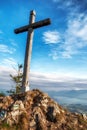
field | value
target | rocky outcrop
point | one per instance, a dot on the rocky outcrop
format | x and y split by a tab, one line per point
35	110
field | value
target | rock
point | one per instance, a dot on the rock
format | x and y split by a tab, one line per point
85	116
35	110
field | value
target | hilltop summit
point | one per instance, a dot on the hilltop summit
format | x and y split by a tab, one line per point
35	110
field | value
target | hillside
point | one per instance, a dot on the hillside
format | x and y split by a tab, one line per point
35	110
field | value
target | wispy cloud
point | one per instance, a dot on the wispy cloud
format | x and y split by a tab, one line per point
55	82
75	36
5	80
5	49
73	40
12	41
69	5
54	54
45	82
9	62
50	37
62	4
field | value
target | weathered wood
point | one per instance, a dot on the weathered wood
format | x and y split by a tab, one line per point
25	82
33	26
29	28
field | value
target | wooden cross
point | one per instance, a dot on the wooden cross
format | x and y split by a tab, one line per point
30	28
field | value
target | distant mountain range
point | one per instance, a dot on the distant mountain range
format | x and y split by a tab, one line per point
74	100
79	108
70	96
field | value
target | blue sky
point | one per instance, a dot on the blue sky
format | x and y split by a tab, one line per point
59	55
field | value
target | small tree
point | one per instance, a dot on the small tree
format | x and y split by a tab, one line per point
17	79
2	94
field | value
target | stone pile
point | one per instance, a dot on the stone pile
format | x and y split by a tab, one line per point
35	110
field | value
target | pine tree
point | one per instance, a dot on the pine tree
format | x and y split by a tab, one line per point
17	79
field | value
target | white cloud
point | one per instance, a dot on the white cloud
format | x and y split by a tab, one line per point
5	49
43	81
50	83
69	5
5	80
13	42
64	4
73	40
51	37
75	36
55	82
54	55
9	62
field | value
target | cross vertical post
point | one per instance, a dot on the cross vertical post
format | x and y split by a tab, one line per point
25	82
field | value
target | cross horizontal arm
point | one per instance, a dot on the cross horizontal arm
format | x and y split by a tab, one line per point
33	25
